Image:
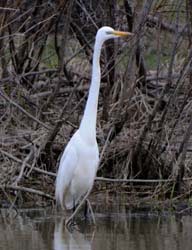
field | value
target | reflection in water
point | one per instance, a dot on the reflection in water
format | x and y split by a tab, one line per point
66	240
16	234
42	230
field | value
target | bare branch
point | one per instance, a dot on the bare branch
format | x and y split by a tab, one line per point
28	190
23	110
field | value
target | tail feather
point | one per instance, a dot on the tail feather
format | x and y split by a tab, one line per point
60	189
65	174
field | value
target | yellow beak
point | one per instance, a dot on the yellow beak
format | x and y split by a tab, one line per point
122	33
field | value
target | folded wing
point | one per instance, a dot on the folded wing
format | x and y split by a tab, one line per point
65	174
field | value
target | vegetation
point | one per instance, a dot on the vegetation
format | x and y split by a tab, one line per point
144	117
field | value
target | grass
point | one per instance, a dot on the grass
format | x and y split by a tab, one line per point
50	58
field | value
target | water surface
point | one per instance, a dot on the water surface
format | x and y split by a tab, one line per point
40	229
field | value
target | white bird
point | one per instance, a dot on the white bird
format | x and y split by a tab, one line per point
79	162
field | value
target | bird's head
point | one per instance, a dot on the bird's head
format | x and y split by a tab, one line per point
106	33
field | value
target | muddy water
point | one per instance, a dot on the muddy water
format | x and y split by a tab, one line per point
43	229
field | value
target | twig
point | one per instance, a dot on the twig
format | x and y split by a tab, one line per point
105	146
162	77
28	190
41	171
84	9
65	90
178	170
91	210
31	73
132	180
16	19
8	9
37	24
27	158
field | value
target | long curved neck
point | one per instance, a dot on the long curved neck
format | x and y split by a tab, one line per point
88	123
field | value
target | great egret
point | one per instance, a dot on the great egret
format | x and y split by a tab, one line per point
79	162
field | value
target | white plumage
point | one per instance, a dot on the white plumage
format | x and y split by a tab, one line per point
77	170
79	162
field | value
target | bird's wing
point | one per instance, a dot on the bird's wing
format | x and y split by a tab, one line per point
65	173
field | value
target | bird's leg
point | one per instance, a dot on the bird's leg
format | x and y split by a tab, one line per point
74	205
86	209
71	222
68	221
74	208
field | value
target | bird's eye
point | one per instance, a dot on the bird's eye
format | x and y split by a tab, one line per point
108	32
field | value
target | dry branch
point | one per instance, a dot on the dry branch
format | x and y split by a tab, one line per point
133	180
38	170
28	190
23	110
27	158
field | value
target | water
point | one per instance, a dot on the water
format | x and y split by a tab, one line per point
44	229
